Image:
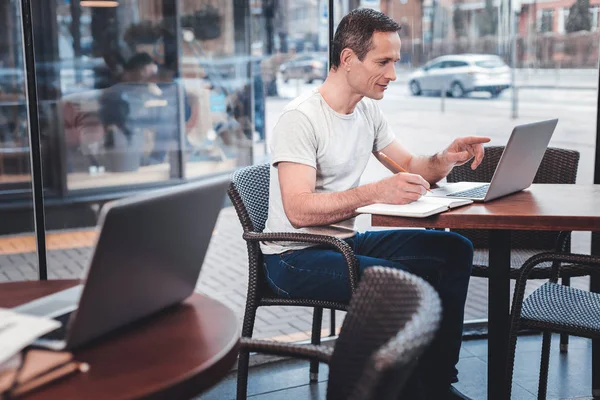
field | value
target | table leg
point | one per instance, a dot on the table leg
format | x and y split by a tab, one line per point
498	312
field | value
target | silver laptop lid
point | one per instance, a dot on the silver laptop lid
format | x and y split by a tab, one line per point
148	256
521	158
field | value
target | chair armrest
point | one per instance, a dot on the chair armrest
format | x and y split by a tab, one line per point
303	351
330	241
585	260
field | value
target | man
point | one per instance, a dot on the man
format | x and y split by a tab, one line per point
321	145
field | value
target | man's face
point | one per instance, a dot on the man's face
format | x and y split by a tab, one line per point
371	76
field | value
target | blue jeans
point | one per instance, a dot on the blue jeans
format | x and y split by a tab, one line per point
444	259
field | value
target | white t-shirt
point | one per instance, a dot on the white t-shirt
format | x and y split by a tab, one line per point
337	145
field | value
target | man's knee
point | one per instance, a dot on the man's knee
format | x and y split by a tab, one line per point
459	250
461	243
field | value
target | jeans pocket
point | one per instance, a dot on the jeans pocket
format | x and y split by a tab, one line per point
274	276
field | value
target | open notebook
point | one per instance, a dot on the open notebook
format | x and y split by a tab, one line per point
424	207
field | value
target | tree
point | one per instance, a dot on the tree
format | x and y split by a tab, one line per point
459	20
489	19
580	18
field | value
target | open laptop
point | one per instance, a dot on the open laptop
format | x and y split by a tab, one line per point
516	169
147	257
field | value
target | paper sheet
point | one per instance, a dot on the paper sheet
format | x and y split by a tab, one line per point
18	331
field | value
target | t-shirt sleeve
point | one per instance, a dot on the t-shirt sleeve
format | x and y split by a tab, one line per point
383	132
294	140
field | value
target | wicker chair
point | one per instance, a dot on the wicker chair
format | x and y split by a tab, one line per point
553	308
249	193
557	166
392	318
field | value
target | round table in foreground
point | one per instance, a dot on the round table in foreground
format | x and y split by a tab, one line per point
177	353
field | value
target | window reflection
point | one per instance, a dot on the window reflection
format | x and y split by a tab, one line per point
291	40
147	91
481	67
14	140
216	73
17	227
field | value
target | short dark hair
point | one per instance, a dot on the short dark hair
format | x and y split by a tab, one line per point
138	61
355	32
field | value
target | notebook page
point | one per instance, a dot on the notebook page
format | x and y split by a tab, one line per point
421	208
447	201
418	208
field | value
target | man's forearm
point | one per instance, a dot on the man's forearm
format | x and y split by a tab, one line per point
429	167
315	209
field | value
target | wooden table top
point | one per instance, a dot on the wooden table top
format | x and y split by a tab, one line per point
177	353
540	207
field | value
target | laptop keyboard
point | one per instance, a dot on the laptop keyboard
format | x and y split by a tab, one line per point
61	332
476	192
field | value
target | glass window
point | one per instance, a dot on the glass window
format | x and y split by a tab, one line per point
294	57
219	76
491	63
594	12
545	23
555	76
18	260
455	64
144	94
437	65
138	98
14	131
562	21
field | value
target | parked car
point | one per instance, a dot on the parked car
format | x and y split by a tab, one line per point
462	74
307	67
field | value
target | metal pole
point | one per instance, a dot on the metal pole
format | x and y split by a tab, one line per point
513	60
172	51
597	155
76	34
331	33
595	250
443	99
35	155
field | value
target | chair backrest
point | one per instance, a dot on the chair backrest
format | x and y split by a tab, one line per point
249	193
393	316
557	166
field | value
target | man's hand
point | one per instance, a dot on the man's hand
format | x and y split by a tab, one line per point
402	188
462	150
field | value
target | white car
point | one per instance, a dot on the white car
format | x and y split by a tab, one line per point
308	67
461	74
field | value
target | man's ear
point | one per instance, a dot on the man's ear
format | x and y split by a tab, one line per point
346	58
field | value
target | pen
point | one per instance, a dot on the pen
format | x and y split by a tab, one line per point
394	164
45	378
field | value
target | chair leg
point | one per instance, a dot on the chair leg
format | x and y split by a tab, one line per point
316	339
244	356
510	361
564	338
544	365
242	375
